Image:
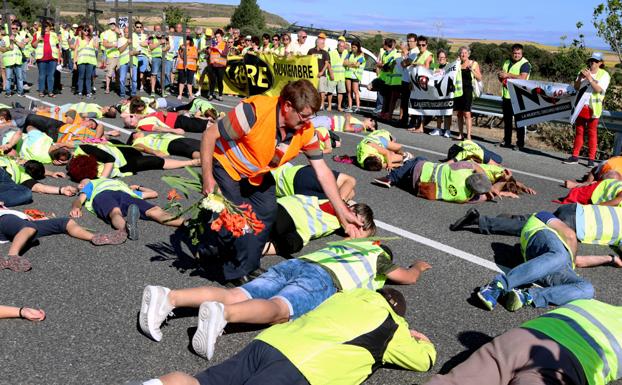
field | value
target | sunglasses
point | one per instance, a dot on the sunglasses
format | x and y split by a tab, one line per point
421	45
303	37
275	39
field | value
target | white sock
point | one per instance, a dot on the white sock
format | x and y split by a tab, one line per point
155	381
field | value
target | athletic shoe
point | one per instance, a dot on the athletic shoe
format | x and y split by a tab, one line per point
210	97
89	96
131	222
471	217
408	156
219	98
348	110
516	299
16	263
447	133
435	132
211	325
590	163
489	294
384	182
32	105
571	160
154	310
356	110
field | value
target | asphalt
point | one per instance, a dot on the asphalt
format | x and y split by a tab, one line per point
92	294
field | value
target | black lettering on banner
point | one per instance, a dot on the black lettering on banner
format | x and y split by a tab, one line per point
549	110
292	70
429	104
577	98
522	93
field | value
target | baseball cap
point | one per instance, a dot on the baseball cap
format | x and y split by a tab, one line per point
248	37
479	183
341	38
395	299
74	26
322	35
112	20
598	56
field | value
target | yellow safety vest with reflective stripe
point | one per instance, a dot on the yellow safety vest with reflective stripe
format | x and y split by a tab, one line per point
339	123
310	220
157	142
53	46
64	38
388	73
124	57
119	159
355	73
150	120
601	225
200	104
87	52
450	185
458	82
423	57
364	150
12	56
597	98
86	108
513	69
156	53
27	50
336	63
493	171
17	172
284	179
104	184
531	227
36	149
606	190
353	264
112	38
322	134
470	151
592	331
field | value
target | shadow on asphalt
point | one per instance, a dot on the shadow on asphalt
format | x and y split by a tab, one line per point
506	255
471	340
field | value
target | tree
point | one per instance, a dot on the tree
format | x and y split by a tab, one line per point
248	18
175	15
607	18
373	43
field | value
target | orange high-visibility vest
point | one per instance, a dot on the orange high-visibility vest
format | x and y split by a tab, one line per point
54	113
215	58
251	155
191	59
74	132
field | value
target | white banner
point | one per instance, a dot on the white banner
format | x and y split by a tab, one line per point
432	92
536	101
123	22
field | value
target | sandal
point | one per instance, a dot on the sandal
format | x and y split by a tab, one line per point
343	159
52	95
113	238
17	263
41	95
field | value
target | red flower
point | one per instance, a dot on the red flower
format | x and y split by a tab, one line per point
173	195
35	214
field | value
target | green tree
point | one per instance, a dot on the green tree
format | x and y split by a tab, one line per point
434	44
28	10
607	18
175	15
373	43
248	18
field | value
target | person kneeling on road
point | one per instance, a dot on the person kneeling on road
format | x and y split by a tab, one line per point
286	291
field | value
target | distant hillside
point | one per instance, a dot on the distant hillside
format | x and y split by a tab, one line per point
211	15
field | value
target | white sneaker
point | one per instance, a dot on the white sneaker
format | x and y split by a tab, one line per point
447	134
435	132
408	156
154	310
211	325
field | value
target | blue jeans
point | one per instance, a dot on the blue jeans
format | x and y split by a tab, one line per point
46	75
123	71
168	68
11	193
156	68
16	72
85	78
512	225
403	175
302	285
549	264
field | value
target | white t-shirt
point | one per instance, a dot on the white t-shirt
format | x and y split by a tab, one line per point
412	55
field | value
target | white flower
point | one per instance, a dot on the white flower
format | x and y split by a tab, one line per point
213	203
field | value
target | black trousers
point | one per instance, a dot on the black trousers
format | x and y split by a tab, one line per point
508	126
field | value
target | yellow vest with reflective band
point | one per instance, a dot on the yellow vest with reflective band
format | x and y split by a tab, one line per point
336	62
85	108
355	73
423	57
364	150
470	150
531	227
513	69
339	123
601	225
202	47
137	39
157	142
353	264
606	190
493	171
592	331
64	38
119	159
13	56
322	134
36	149
87	52
450	185
156	53
113	38
124	57
284	179
597	98
17	172
53	46
458	82
28	49
199	104
388	60
104	184
311	222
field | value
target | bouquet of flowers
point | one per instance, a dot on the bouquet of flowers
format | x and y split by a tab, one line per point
37	215
214	210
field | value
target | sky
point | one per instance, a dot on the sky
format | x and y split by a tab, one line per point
541	21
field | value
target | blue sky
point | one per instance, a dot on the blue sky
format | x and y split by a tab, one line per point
543	21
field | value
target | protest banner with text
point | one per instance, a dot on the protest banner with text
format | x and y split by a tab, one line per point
432	92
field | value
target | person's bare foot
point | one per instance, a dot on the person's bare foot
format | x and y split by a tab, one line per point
416	130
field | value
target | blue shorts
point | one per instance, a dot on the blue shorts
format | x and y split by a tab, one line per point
106	201
11	224
302	285
143	63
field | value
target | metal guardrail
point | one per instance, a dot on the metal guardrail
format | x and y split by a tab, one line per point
490	106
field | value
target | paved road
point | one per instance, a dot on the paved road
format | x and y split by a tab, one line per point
92	295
